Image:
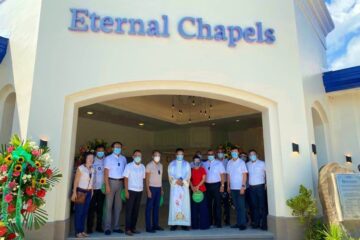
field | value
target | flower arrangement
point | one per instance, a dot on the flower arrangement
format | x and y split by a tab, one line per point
25	179
227	148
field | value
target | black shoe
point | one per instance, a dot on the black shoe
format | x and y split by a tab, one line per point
235	226
158	228
218	226
264	228
99	230
135	231
118	231
129	233
173	228
90	231
242	228
151	231
227	224
107	232
254	226
185	228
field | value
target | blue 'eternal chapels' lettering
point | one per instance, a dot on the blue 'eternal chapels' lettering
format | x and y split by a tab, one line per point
188	27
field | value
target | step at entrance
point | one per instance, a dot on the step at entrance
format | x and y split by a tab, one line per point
214	233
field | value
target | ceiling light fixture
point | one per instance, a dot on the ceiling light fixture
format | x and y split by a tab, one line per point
141	124
89	113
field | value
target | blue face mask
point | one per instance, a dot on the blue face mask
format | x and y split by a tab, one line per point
234	154
179	157
253	158
211	157
221	155
100	154
137	159
117	151
197	164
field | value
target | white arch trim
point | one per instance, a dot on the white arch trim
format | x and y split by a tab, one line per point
143	88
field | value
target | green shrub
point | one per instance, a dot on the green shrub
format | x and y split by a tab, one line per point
304	207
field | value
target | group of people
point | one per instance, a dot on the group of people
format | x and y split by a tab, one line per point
199	190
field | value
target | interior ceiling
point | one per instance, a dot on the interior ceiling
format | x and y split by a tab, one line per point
156	113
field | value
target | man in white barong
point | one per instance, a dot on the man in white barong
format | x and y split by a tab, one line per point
179	172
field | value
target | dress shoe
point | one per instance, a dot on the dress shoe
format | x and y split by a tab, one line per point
99	230
151	231
235	226
173	228
107	232
129	233
118	231
158	228
135	231
242	227
254	226
185	228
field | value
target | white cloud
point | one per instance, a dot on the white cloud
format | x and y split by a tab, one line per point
346	17
351	57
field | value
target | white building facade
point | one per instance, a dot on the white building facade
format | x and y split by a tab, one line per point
264	55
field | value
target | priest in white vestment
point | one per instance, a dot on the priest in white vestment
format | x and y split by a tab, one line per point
179	172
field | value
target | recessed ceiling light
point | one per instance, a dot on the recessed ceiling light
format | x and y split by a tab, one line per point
89	113
141	124
213	124
237	120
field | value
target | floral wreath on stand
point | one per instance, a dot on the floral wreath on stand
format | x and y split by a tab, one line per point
25	178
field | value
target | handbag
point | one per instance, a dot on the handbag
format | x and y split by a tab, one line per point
81	196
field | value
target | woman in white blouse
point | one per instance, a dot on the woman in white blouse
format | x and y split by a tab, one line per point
82	193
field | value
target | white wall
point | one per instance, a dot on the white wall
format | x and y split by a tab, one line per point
251	138
20	22
345	125
72	65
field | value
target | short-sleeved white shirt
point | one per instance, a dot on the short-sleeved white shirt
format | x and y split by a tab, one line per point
116	165
213	169
256	172
135	175
99	172
235	170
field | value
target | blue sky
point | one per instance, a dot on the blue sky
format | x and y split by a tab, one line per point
343	43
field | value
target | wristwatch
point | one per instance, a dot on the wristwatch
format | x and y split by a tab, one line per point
243	186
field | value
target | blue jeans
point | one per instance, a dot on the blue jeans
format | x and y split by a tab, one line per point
81	211
152	208
239	202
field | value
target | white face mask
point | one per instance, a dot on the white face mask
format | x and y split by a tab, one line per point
157	159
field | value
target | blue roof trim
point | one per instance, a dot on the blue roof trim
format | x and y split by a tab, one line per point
3	46
343	79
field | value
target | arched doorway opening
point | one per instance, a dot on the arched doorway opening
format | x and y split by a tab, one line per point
7	110
266	108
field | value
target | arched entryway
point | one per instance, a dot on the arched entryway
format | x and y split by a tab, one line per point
7	110
267	108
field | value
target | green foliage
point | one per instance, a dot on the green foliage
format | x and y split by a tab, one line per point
335	232
303	206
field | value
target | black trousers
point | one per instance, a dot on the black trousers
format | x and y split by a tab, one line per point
225	201
214	202
96	206
258	205
132	210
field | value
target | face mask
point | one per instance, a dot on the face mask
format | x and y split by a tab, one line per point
179	157
117	151
211	157
197	164
100	154
234	154
137	159
253	158
243	158
157	158
221	155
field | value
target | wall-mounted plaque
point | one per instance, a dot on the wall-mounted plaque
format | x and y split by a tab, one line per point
348	186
